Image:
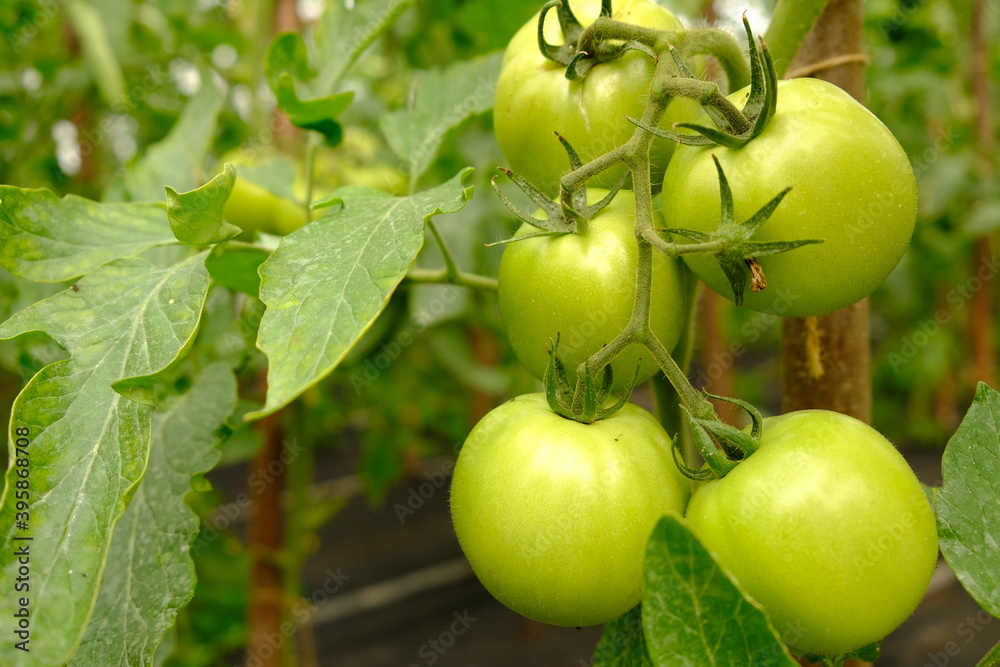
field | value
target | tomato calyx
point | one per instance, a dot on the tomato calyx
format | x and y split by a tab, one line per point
582	50
570	215
736	127
587	402
737	252
722	445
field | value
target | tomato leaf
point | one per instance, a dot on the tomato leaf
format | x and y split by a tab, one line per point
442	100
345	31
968	502
196	216
150	572
328	281
693	614
235	266
991	659
44	241
122	325
622	643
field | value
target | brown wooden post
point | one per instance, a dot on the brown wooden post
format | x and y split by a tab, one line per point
981	324
826	360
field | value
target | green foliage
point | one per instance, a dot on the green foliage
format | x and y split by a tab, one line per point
968	503
140	336
693	614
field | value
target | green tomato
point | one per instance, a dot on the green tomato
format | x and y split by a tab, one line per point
852	186
582	287
253	208
554	515
826	526
534	99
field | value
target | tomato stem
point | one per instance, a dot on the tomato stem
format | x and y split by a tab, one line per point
461	278
788	28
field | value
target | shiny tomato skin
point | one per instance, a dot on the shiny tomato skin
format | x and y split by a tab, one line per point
852	186
554	515
826	526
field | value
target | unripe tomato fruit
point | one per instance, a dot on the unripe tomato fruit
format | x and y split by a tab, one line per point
826	526
554	515
852	186
253	208
582	287
534	99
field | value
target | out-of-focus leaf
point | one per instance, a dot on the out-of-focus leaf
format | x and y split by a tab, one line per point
443	100
177	159
196	216
343	34
88	443
150	574
968	502
984	217
235	266
328	281
97	51
47	239
991	659
288	62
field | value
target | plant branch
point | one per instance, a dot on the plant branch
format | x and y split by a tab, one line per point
461	278
723	47
790	24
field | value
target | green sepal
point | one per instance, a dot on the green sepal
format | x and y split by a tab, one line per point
557	221
714	136
760	106
574	158
677	137
756	419
594	396
715	457
694	235
562	398
571	29
737	443
604	413
698	475
557	389
591	210
739	248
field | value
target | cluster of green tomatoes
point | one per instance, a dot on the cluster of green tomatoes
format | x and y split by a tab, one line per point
824	524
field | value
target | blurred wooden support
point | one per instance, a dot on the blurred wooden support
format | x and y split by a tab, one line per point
716	361
826	360
982	318
265	643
